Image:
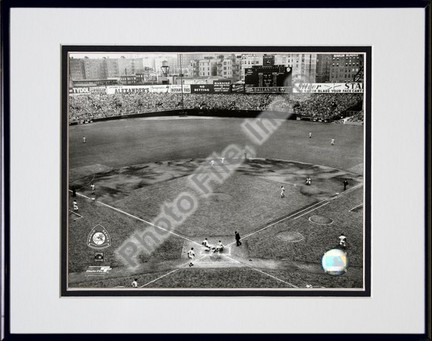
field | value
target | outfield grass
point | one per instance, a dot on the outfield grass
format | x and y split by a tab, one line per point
136	141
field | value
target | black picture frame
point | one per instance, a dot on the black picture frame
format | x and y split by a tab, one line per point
6	7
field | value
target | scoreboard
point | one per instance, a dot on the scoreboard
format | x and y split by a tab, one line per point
265	76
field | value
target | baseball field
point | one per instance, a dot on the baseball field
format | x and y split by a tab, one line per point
137	165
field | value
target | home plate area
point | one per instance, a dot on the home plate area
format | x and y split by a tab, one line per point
205	258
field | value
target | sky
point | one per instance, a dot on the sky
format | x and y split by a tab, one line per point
119	54
165	54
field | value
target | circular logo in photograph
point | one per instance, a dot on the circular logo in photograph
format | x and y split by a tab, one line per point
335	262
98	238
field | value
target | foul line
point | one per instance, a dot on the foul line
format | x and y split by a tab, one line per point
347	191
171	272
79	215
235	260
315	208
262	272
358	206
140	219
302	212
167	274
321	204
278	221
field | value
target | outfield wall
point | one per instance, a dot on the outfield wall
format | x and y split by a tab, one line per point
192	112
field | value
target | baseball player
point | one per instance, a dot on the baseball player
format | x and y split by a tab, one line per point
191	256
219	247
342	240
206	244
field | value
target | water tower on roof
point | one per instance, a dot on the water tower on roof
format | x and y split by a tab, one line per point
165	68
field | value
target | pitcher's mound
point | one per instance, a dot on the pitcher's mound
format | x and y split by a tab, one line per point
320	220
291	237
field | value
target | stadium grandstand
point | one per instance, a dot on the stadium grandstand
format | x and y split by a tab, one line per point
316	107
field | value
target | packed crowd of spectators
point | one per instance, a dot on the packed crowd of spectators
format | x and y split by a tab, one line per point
358	117
352	118
94	106
228	101
327	107
86	108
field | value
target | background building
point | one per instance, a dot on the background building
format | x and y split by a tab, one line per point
346	68
207	67
130	66
320	68
148	62
323	65
76	69
228	66
112	68
95	68
247	61
303	65
184	61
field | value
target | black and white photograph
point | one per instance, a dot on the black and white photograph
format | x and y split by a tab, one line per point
215	171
